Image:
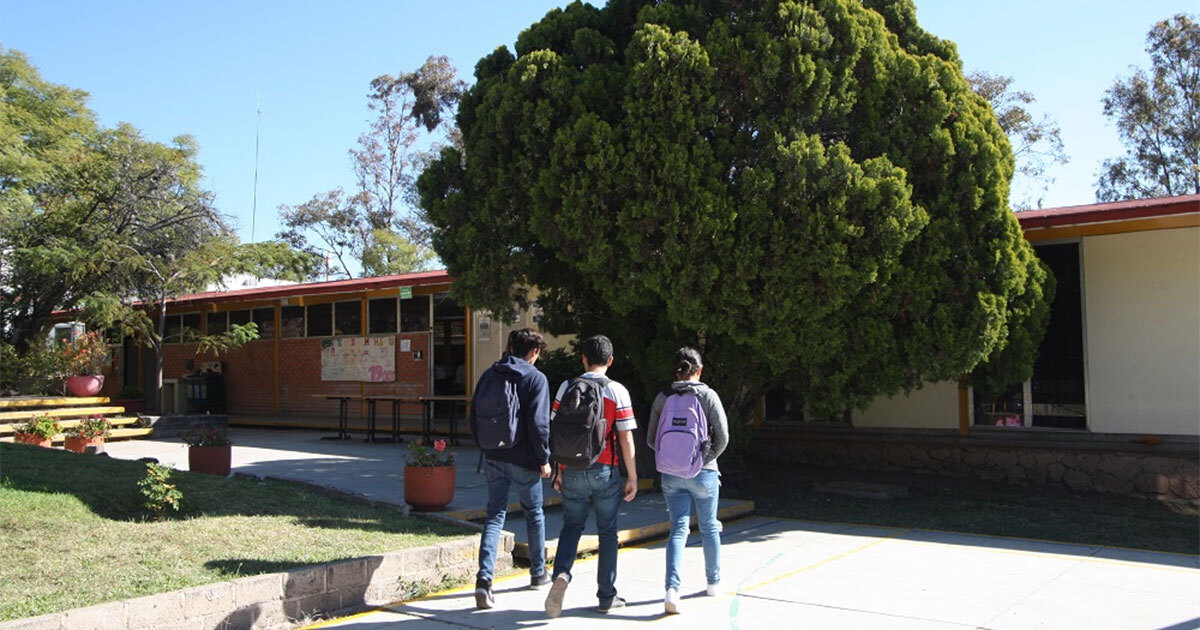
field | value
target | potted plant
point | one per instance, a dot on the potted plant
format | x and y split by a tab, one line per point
131	398
38	430
90	431
429	476
85	357
209	450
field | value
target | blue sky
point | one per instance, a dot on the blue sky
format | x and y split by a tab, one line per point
195	67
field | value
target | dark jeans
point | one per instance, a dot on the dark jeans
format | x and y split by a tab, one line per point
598	489
501	476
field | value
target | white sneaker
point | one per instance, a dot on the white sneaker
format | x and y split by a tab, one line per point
671	601
713	590
554	600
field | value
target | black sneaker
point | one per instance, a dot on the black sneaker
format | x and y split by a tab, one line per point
616	602
539	582
483	594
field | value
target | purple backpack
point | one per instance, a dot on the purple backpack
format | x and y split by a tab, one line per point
682	436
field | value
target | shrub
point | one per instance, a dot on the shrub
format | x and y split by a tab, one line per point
206	436
160	493
95	426
41	371
436	455
129	392
86	354
42	425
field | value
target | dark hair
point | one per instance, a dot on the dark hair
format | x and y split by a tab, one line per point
687	362
597	349
525	340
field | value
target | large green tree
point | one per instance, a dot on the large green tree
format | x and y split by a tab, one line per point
1157	115
47	139
808	191
104	220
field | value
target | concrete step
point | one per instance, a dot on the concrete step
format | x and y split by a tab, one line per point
60	412
120	421
35	402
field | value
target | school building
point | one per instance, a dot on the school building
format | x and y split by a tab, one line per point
1113	404
1114	401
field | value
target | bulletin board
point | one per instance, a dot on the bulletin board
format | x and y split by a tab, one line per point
367	359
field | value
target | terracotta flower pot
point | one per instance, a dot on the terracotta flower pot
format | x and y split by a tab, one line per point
80	444
428	487
31	439
87	385
213	460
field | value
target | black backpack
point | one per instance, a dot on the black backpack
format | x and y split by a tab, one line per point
497	411
578	430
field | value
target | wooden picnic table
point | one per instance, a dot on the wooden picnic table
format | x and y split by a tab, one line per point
343	414
427	417
430	401
396	402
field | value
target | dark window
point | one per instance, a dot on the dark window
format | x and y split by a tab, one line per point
265	319
319	320
291	321
347	318
172	329
382	316
238	318
414	314
191	326
217	323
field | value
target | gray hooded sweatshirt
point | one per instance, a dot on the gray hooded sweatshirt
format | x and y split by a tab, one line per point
714	412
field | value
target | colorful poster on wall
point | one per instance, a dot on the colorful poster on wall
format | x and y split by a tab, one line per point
367	359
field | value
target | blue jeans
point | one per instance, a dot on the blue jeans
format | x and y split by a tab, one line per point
597	488
679	493
500	477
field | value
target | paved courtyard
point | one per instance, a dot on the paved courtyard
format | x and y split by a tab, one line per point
779	573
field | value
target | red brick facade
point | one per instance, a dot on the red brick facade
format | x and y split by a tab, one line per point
250	373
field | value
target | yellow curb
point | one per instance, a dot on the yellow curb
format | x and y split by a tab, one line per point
591	543
471	514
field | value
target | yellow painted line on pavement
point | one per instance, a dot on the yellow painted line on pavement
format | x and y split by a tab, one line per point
825	561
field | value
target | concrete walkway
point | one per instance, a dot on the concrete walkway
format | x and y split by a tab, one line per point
785	573
376	471
796	574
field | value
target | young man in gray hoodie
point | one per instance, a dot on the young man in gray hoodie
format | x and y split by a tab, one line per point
704	488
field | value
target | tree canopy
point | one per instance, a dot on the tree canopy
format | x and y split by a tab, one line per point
97	219
808	191
375	230
1036	142
1157	115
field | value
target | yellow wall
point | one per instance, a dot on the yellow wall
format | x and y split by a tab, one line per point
1142	330
487	351
934	406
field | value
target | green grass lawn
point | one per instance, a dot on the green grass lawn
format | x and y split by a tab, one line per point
73	531
970	506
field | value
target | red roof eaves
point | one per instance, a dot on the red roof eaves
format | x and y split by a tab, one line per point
353	285
1109	212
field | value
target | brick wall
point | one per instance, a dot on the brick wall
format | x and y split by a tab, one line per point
250	377
1095	463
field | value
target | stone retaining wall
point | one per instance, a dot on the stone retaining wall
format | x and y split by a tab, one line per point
282	600
1172	474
